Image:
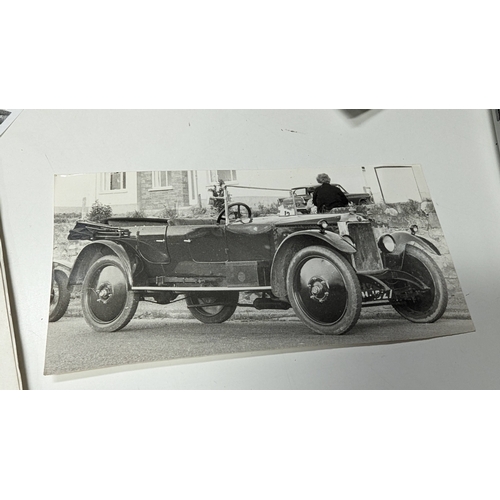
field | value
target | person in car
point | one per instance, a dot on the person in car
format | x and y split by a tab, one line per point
326	196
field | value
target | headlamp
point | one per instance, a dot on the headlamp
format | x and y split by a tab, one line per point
387	244
323	225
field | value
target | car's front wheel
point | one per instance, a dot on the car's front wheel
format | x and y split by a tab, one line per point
212	307
107	303
324	290
431	305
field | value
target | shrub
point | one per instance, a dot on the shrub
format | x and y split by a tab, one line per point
262	209
198	212
167	213
136	214
191	212
99	212
397	215
408	208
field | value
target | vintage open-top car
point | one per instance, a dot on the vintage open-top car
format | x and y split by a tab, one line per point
325	267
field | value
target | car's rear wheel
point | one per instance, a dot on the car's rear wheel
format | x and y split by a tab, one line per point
59	296
212	307
108	304
324	290
431	305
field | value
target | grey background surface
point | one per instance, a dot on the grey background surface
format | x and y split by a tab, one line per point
461	163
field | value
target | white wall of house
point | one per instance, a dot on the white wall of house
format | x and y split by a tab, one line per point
77	192
70	191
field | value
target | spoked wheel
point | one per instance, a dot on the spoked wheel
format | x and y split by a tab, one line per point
430	306
324	290
59	296
108	305
213	307
237	212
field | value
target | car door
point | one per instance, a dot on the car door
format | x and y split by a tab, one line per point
206	243
249	242
151	244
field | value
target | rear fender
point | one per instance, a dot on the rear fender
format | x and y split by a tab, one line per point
295	242
395	258
94	251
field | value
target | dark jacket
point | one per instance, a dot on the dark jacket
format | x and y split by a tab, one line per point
326	197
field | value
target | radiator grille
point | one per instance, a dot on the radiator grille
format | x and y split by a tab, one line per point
367	256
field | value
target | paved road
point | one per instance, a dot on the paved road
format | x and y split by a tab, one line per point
72	346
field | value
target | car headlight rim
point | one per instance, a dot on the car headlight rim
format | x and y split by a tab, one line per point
387	243
323	225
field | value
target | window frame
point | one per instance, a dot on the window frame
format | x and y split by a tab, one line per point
234	175
106	183
154	181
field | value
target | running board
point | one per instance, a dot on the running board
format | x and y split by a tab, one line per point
182	289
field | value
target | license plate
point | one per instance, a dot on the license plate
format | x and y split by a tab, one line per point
374	295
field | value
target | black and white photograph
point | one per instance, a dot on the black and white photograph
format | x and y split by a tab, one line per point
7	117
191	264
250	250
3	115
199	248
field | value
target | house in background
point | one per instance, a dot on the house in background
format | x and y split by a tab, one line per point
148	191
177	188
151	192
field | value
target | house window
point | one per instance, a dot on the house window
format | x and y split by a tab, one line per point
222	175
114	181
162	179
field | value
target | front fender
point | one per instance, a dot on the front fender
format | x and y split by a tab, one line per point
402	239
394	259
295	242
94	251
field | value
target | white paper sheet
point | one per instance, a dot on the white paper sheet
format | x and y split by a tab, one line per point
10	377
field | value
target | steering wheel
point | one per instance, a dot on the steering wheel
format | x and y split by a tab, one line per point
237	212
